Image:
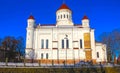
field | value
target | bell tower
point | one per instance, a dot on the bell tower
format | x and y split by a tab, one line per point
85	22
30	32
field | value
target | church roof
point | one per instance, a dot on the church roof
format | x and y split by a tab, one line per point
76	25
64	6
31	17
47	25
85	17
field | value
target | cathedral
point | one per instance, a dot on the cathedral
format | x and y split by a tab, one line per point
64	41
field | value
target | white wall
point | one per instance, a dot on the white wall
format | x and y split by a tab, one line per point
101	48
56	34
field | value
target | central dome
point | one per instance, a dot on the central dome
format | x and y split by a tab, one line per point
64	6
64	16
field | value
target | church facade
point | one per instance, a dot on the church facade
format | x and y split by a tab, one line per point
63	42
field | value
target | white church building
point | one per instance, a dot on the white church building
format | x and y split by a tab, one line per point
63	42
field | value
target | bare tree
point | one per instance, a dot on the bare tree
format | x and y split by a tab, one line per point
12	47
116	41
9	44
20	47
0	43
106	39
118	59
1	51
112	40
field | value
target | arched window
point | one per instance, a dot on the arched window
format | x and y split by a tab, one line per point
47	44
62	43
67	43
41	55
42	43
80	43
46	55
67	15
64	15
97	54
58	17
61	16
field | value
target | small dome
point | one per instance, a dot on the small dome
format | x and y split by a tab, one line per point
64	6
85	17
31	17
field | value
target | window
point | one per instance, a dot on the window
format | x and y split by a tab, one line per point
64	15
67	43
41	55
47	44
61	16
80	43
46	55
58	17
42	44
62	44
67	16
97	54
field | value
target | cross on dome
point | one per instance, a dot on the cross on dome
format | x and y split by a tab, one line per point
63	1
31	16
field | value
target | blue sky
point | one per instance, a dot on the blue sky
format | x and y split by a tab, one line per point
104	15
